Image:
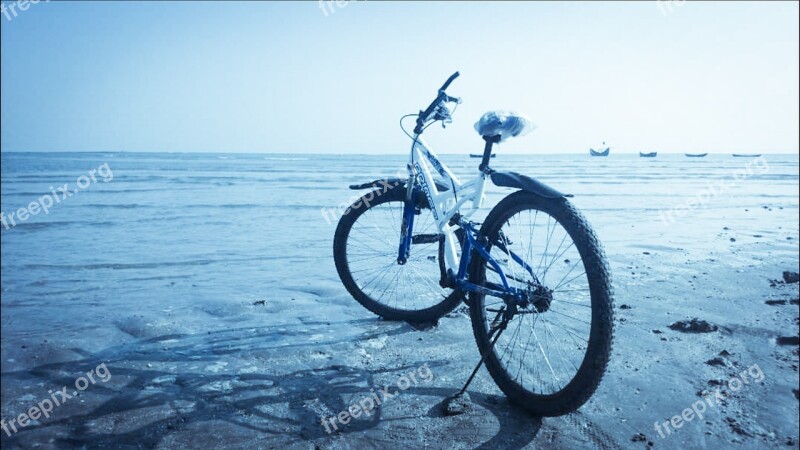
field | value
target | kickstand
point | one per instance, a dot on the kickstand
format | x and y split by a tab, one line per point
496	328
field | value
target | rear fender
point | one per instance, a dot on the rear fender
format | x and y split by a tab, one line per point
526	183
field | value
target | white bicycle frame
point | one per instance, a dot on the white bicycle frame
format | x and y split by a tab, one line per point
445	204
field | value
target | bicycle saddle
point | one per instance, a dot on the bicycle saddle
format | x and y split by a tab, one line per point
504	123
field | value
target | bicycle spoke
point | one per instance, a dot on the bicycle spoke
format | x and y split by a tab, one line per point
540	361
371	254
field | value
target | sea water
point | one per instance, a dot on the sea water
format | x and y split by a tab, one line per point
161	230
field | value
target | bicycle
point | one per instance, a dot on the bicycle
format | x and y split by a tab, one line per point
406	252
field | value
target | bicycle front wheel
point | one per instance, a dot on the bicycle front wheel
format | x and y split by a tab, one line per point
365	250
554	350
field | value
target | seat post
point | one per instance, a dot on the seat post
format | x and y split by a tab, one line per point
487	152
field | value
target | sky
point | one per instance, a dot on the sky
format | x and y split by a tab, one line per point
328	77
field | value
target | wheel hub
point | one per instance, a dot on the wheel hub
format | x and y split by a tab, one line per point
540	297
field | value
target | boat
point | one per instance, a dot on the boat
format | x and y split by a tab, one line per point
473	155
696	155
743	155
648	155
603	152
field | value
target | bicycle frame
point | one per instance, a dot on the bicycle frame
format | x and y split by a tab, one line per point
444	206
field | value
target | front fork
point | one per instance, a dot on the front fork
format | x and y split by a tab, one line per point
407	226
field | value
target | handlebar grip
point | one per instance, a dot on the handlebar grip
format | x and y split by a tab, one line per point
449	80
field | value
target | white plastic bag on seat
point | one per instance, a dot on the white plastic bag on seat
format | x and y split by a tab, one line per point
505	123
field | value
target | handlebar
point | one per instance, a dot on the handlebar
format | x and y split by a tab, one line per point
441	97
449	80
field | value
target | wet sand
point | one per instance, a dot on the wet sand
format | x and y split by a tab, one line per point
247	375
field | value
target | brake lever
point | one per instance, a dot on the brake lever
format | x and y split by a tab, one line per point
443	114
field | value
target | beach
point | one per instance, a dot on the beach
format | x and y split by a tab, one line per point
196	296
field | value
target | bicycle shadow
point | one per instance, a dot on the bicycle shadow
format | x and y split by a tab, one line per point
159	396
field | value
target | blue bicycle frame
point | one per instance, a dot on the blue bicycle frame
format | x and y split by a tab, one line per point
471	244
505	291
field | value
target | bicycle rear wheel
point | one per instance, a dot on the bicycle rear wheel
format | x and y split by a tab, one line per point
554	351
365	250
